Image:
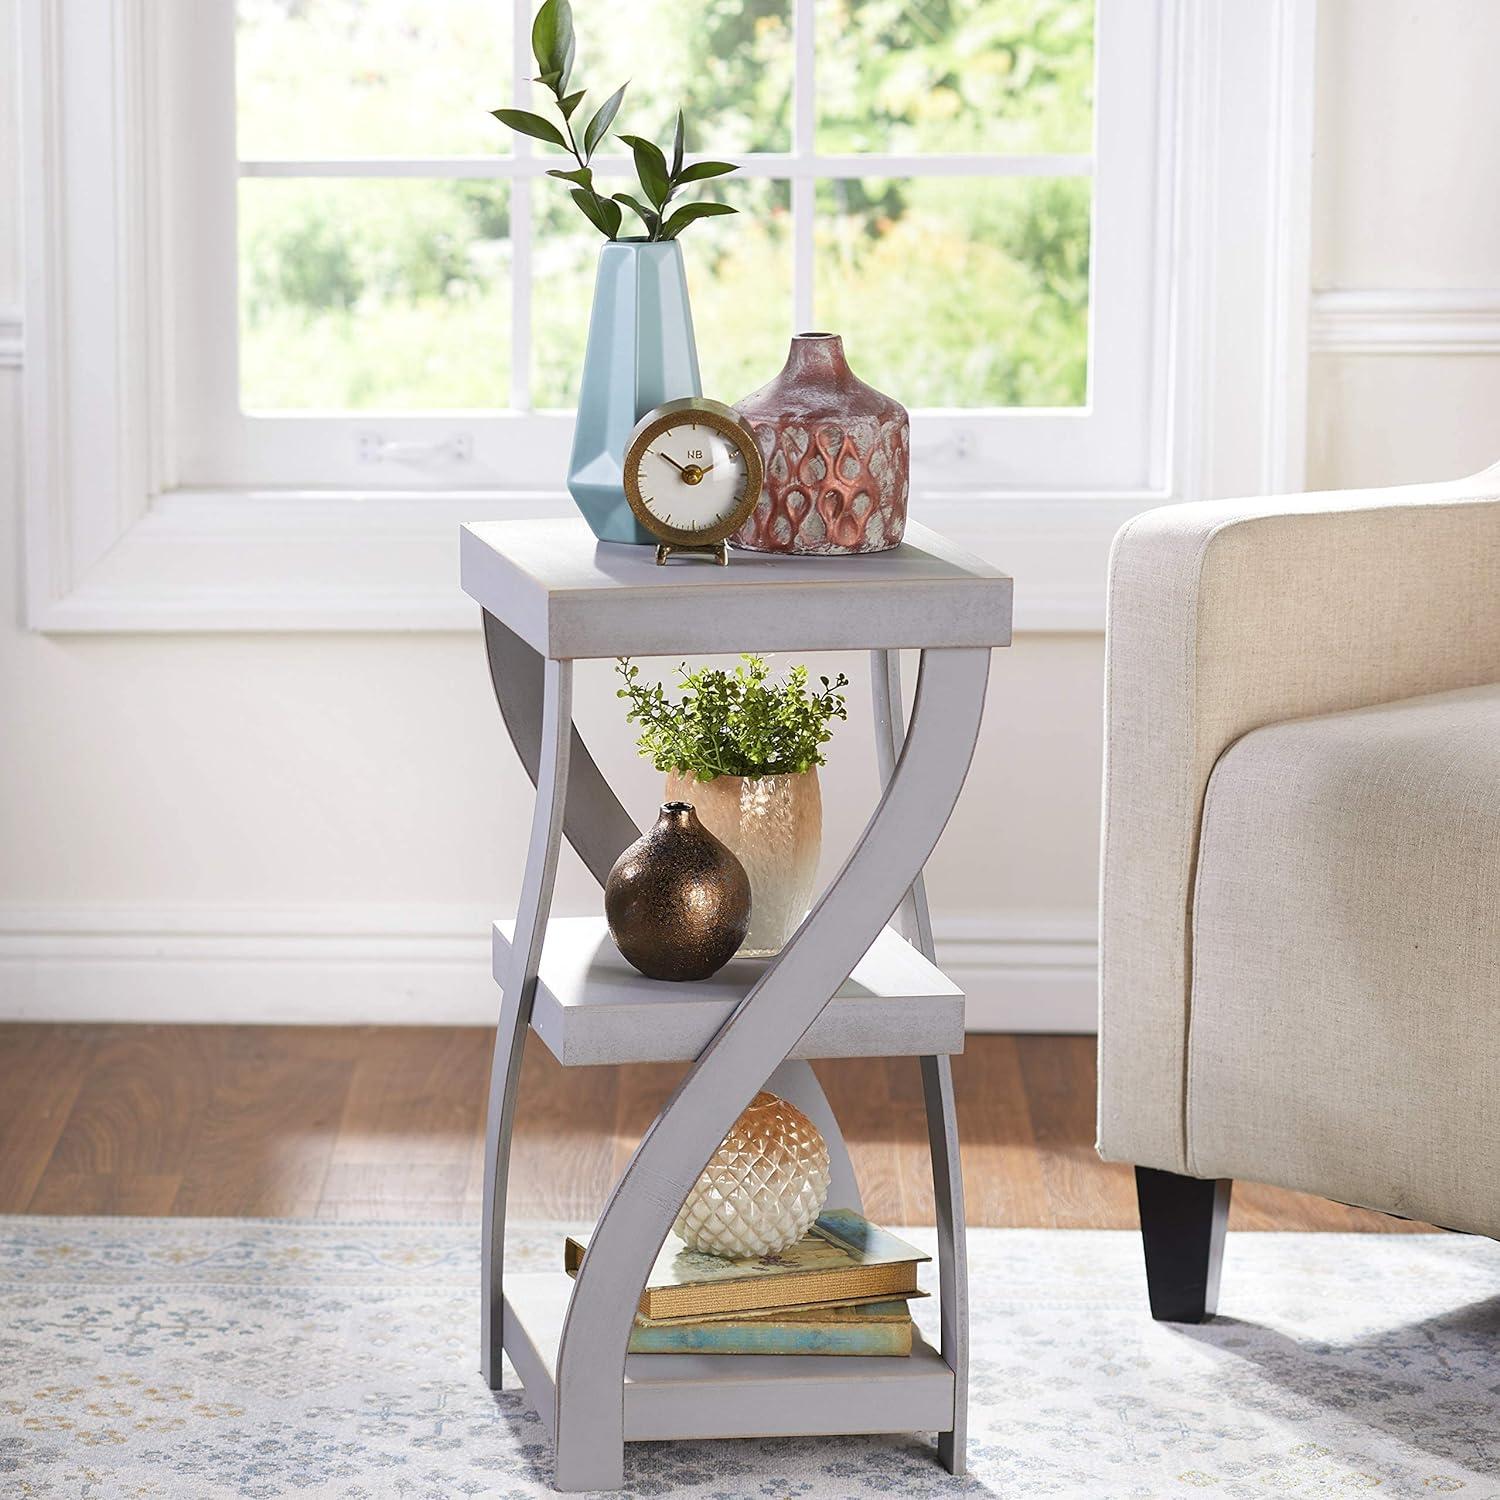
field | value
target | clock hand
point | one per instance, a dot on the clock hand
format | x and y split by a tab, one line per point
670	460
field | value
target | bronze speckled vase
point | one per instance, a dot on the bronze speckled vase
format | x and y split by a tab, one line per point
837	457
677	900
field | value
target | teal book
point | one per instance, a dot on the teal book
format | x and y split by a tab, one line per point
883	1328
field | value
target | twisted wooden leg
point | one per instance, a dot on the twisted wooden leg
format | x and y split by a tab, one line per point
598	827
519	990
756	1038
937	1093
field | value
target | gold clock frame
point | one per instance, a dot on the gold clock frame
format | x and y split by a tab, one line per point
726	422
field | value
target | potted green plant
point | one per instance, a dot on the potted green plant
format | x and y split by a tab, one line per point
641	350
745	751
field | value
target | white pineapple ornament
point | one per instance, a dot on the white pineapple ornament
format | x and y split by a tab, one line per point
764	1186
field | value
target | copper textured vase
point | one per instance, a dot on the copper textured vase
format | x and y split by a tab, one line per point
774	825
677	900
837	457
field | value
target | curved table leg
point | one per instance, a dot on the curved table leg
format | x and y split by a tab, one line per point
797	984
796	1082
520	989
595	823
937	1092
598	827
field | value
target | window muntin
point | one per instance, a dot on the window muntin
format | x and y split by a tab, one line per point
382	271
1116	441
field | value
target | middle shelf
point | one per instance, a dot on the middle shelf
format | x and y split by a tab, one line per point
592	1007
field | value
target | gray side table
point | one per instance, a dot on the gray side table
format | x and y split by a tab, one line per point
844	986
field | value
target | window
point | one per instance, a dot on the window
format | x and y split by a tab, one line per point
293	309
410	291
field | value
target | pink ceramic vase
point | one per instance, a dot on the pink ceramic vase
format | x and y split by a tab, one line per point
837	456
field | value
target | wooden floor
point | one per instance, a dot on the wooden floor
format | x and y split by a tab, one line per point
385	1123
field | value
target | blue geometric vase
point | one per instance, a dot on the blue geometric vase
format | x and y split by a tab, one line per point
640	353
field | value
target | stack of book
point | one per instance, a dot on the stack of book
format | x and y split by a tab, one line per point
841	1289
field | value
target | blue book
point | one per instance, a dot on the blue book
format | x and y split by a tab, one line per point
871	1328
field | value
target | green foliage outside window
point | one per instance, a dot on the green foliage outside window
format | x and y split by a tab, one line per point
394	294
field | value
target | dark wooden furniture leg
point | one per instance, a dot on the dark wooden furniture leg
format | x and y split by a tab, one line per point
1182	1228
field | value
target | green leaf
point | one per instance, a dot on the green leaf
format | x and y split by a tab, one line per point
568	105
649	219
651	168
604	117
701	169
550	79
690	211
677	145
552	38
600	212
535	126
581	175
735	723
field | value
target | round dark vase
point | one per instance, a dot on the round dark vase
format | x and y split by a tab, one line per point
677	900
837	456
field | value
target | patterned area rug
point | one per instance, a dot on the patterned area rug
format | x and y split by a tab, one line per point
212	1359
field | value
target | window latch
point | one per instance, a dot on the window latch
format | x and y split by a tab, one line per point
957	447
372	448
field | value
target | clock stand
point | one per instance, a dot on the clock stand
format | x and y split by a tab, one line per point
715	551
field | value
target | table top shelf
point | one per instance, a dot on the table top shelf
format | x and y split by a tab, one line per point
592	1007
569	596
733	1395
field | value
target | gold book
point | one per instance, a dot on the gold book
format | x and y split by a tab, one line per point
843	1258
837	1304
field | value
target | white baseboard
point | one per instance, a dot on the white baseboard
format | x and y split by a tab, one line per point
427	966
1023	971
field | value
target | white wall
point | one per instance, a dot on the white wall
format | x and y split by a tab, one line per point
1406	218
316	827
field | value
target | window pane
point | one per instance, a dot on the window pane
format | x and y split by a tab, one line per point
728	63
739	277
374	294
371	77
955	75
954	291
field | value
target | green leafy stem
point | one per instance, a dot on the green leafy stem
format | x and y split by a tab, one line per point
553	44
735	723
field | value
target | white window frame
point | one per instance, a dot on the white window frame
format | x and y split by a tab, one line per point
116	540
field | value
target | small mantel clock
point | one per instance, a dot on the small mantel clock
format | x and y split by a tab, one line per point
692	475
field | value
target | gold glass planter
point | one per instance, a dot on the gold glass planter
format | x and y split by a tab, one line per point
774	825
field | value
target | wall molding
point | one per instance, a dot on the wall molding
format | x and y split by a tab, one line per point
1022	971
1396	320
1371	320
12	349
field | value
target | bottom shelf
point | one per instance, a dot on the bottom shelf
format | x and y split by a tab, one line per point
727	1395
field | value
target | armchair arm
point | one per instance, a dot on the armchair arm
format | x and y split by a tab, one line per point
1222	617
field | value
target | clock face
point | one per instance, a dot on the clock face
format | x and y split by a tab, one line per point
692	471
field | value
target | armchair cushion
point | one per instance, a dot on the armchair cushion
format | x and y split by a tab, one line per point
1345	1031
1225	616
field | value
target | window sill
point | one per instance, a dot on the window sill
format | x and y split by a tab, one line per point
339	562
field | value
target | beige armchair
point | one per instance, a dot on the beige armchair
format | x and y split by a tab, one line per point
1300	927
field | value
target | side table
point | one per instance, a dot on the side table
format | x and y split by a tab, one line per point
844	986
